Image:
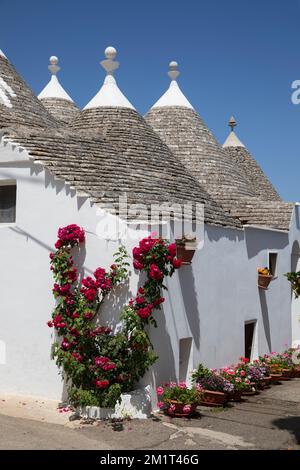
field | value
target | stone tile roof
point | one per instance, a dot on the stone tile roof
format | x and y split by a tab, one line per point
146	171
273	214
261	185
239	189
193	143
63	111
19	105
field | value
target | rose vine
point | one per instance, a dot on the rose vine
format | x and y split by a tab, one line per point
98	363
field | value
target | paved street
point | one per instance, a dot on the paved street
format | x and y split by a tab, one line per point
270	420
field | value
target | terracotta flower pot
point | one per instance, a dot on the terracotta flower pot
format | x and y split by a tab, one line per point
264	281
275	377
211	398
286	374
297	373
186	250
179	411
265	383
236	395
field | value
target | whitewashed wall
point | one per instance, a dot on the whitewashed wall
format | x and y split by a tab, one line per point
208	301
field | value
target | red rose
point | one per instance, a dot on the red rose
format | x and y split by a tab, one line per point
137	265
177	263
172	249
155	272
102	383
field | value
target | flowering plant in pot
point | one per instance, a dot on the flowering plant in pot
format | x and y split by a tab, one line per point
292	355
275	368
239	381
264	278
186	247
294	279
178	399
260	374
243	370
215	386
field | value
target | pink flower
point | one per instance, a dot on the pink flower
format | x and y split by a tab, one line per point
187	408
182	385
160	391
141	291
199	387
50	323
140	300
160	404
172	409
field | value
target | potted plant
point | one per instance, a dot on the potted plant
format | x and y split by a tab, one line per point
239	380
186	247
275	370
264	278
215	386
294	279
179	400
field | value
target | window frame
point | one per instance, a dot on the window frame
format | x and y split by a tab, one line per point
9	182
273	252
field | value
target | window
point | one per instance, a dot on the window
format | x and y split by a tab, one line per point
273	263
8	196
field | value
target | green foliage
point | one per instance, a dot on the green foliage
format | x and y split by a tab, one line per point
294	278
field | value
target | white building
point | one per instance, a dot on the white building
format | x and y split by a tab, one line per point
60	166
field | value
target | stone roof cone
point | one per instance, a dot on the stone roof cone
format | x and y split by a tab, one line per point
54	97
18	103
245	162
142	166
183	130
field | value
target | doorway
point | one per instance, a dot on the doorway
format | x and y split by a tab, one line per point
249	339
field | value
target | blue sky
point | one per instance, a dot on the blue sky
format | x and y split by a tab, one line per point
235	57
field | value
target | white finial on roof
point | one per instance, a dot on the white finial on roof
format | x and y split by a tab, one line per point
53	67
173	96
2	54
109	94
54	88
232	140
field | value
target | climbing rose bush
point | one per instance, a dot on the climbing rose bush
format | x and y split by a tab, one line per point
157	259
99	363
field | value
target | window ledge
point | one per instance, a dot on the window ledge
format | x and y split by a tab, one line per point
7	224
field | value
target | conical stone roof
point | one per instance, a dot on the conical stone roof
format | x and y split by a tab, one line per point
108	152
18	103
242	158
55	98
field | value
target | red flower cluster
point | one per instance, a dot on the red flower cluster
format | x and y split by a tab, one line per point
157	259
70	235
